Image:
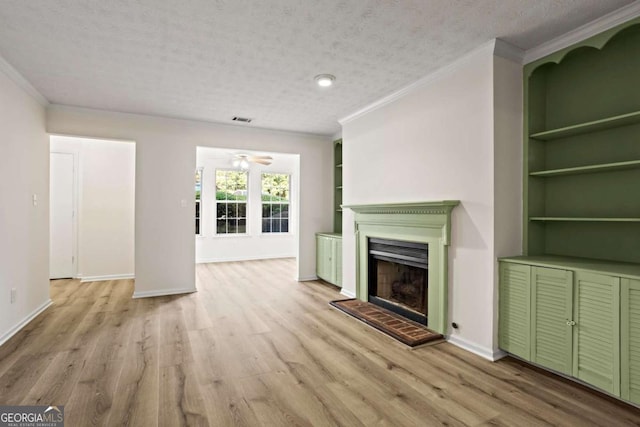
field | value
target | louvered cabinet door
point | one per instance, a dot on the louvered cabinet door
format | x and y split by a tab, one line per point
596	345
552	318
514	322
630	334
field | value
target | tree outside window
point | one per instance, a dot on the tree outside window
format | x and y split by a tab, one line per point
275	202
231	202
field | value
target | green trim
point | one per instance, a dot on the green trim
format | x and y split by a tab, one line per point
596	42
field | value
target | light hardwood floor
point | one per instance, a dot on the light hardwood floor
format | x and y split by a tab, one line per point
254	347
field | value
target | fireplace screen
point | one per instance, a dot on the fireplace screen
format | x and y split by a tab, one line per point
402	284
398	277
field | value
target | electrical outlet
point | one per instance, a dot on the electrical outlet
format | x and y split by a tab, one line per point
13	295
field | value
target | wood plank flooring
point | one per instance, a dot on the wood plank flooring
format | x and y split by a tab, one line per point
254	347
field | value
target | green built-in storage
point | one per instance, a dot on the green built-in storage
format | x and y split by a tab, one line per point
571	302
329	257
582	149
337	181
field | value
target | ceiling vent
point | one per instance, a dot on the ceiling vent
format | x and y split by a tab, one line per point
241	119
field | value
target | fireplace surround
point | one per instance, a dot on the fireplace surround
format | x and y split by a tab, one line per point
426	223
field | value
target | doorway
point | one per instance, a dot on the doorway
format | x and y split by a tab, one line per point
92	209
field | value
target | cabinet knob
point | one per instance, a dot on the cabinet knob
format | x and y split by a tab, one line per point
571	322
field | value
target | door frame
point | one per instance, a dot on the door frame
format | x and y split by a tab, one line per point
75	237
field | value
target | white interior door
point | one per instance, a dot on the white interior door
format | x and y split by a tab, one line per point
61	216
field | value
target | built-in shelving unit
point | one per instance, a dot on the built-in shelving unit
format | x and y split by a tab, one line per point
582	150
337	181
570	303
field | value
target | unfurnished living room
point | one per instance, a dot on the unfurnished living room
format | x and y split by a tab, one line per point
339	212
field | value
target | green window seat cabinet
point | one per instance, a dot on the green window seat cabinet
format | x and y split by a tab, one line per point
584	321
329	257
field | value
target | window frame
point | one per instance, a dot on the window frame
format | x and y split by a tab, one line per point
216	201
288	203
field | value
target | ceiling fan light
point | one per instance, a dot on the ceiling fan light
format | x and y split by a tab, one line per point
244	164
324	80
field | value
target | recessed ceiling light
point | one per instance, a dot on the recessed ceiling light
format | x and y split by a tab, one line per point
324	80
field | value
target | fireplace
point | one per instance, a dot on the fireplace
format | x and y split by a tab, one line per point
427	224
398	277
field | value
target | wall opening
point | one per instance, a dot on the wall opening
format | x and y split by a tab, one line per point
246	205
92	214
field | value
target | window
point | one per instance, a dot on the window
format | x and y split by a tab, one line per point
231	202
275	203
198	199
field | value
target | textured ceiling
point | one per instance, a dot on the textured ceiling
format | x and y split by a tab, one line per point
215	59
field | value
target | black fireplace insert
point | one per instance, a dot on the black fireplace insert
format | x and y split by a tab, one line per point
398	277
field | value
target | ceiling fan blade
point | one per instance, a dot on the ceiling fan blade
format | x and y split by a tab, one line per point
261	161
262	157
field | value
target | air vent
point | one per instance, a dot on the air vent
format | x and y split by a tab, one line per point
241	119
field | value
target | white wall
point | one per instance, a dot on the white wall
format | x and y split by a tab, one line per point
24	228
165	164
106	206
437	143
255	244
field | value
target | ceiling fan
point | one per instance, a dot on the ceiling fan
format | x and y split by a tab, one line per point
242	160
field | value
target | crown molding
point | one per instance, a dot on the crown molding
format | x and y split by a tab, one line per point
492	47
23	83
606	22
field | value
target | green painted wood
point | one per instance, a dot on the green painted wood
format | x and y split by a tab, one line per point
329	257
514	319
588	127
581	128
337	261
596	345
633	164
337	182
551	318
630	340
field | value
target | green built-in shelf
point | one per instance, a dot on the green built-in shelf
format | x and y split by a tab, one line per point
339	187
605	167
589	127
582	219
339	166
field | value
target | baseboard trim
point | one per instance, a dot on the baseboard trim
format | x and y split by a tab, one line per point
474	348
163	292
244	258
11	332
307	278
347	293
106	277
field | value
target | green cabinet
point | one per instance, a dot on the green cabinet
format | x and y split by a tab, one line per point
515	304
575	321
329	257
630	337
552	318
596	355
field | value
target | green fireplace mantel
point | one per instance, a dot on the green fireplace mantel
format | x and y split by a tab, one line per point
422	222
